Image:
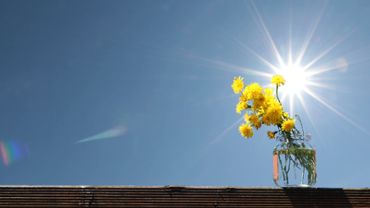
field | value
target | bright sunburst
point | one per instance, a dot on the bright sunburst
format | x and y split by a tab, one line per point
296	79
299	77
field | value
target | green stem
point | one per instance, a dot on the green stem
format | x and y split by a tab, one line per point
277	93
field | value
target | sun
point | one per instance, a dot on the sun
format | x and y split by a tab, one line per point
296	79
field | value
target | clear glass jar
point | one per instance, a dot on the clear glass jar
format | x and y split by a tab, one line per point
294	164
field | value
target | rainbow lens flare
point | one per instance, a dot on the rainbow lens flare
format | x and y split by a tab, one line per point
11	151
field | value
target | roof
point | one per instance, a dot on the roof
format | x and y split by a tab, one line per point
179	196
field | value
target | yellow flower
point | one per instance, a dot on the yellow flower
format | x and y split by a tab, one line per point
258	101
241	106
273	114
269	98
286	115
237	85
255	121
246	130
288	125
246	117
243	98
278	80
253	91
271	134
269	92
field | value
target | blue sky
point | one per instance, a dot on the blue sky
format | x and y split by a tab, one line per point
152	80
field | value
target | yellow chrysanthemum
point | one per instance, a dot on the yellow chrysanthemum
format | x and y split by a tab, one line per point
246	117
288	125
246	130
269	98
255	121
243	98
286	115
273	114
241	106
271	134
278	80
269	92
237	85
259	101
253	91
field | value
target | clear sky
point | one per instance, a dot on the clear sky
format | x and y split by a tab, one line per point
138	92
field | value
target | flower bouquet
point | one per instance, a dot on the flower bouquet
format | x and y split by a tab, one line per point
294	160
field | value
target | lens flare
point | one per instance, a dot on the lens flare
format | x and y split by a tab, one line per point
107	134
11	151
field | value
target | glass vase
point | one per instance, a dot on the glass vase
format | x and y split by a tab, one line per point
294	165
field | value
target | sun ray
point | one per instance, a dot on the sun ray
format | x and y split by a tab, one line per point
309	36
340	114
226	130
230	67
291	105
290	50
283	97
320	85
263	60
321	70
268	35
323	53
305	109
